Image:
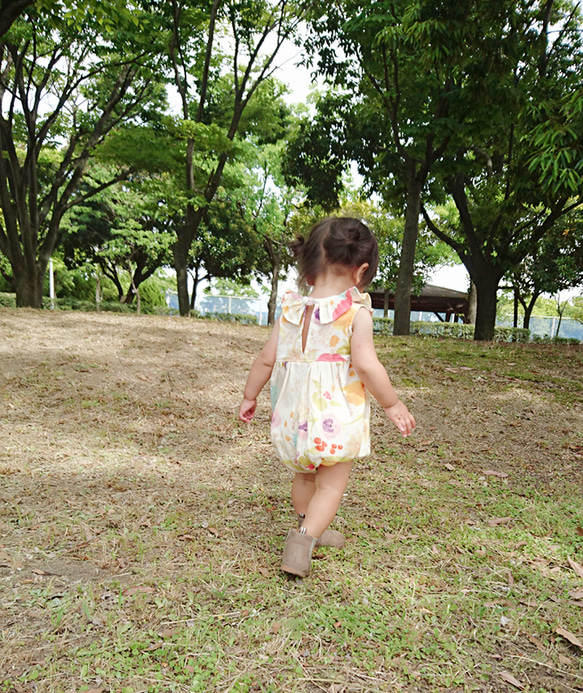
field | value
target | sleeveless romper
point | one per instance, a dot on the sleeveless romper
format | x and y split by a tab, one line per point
321	410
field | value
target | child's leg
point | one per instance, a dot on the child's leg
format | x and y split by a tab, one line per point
330	485
303	488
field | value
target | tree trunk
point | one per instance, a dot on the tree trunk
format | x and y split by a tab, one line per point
407	262
180	251
272	303
472	304
29	285
527	315
195	281
98	294
487	288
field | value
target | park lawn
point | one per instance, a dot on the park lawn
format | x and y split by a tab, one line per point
141	526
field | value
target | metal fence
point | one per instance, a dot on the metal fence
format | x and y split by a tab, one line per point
257	307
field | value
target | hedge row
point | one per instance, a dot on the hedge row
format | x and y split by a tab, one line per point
454	330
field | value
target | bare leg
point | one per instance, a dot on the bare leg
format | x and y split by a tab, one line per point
330	485
303	488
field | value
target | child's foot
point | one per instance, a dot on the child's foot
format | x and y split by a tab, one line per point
297	555
330	537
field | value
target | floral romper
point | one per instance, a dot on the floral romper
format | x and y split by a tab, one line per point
321	409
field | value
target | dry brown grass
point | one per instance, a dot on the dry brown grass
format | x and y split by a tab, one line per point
141	525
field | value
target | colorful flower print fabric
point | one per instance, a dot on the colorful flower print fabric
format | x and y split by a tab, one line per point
320	406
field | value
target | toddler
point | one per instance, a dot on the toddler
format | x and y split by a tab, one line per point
322	363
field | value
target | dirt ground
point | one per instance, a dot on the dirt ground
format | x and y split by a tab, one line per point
99	408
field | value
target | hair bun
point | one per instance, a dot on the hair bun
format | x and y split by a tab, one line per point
353	235
297	246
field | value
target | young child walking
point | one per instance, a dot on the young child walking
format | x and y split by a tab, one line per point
322	363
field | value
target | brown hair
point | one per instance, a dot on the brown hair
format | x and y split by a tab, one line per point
336	241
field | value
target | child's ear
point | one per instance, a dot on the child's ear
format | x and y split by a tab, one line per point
359	273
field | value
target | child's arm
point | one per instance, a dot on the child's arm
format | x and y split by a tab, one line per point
373	374
258	375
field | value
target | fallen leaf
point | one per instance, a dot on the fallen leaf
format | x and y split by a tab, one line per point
155	646
498	602
130	591
511	680
576	594
573	639
449	467
214	531
495	521
576	567
275	627
537	643
579	531
493	472
565	661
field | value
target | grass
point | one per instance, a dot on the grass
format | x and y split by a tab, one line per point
142	526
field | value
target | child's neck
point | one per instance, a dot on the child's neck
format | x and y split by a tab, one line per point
331	283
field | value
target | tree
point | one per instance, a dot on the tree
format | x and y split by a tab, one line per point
403	69
575	309
107	12
271	208
508	195
64	88
196	61
124	231
555	264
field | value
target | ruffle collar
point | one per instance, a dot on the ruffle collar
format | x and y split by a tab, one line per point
326	309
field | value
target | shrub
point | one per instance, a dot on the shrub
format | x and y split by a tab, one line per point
241	318
7	300
452	330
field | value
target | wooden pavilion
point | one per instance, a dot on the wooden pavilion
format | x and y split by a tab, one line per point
445	303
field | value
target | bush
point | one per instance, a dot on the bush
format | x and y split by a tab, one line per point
547	339
7	300
511	334
241	318
452	330
117	307
382	326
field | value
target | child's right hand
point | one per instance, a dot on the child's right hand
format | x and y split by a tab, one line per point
247	409
401	417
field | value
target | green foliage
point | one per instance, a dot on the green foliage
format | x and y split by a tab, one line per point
454	330
7	300
86	74
575	308
242	319
230	287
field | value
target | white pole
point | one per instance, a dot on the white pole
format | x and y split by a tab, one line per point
51	284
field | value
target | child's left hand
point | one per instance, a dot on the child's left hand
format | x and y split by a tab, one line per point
247	409
401	417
